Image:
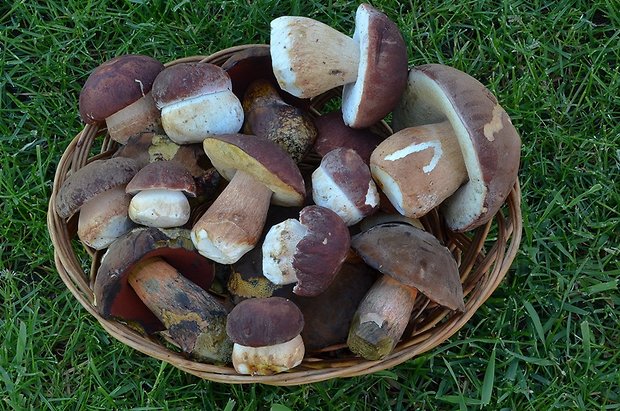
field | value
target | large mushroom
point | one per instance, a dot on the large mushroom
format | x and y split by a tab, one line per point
118	93
259	172
310	57
411	261
454	145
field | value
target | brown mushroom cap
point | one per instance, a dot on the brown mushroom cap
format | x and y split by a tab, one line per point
489	143
169	175
114	297
116	84
92	179
414	258
382	70
260	158
260	322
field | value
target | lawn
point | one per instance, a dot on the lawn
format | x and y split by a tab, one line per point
549	337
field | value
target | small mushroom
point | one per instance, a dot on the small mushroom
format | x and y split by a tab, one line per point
267	115
97	190
310	57
454	145
259	172
308	252
160	192
118	92
412	261
343	183
196	101
266	336
153	279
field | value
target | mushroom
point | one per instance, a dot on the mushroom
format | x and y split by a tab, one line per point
153	279
259	172
266	336
411	261
97	190
454	145
118	93
310	57
332	133
196	101
160	191
267	115
343	183
308	252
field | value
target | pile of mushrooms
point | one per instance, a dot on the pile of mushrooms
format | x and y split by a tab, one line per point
214	235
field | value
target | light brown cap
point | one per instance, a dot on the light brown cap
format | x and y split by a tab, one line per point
489	143
415	258
169	175
116	84
92	179
263	159
261	322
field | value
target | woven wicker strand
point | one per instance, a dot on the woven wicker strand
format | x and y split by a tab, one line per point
483	263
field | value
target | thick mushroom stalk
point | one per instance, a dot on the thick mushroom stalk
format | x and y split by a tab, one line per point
412	261
309	58
458	113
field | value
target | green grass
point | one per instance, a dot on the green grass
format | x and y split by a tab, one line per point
548	338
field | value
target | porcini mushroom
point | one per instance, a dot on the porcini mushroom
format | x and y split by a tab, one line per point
160	190
266	336
308	252
259	172
411	261
97	190
196	101
454	145
118	92
343	183
310	57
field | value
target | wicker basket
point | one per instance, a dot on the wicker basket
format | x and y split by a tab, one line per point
484	257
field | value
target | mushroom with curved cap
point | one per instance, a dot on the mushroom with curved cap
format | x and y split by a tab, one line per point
266	336
259	172
411	261
154	279
267	115
160	190
196	101
454	145
118	92
97	190
343	183
310	57
308	252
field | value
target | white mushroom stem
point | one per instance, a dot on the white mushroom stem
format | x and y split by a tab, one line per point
159	208
138	117
419	167
270	359
310	57
381	318
279	247
233	224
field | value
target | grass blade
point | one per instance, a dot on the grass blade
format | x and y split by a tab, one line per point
489	380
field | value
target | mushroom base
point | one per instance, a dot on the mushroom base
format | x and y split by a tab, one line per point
268	360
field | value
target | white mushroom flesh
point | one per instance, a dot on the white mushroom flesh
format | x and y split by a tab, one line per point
279	248
268	360
159	208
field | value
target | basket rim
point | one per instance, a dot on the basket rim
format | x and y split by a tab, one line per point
492	266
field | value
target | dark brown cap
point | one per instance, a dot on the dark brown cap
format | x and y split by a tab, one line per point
415	258
169	175
261	322
116	84
489	142
92	179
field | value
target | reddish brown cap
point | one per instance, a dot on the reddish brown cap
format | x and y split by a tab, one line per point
382	72
415	258
92	179
116	84
114	297
169	175
261	322
187	80
263	159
